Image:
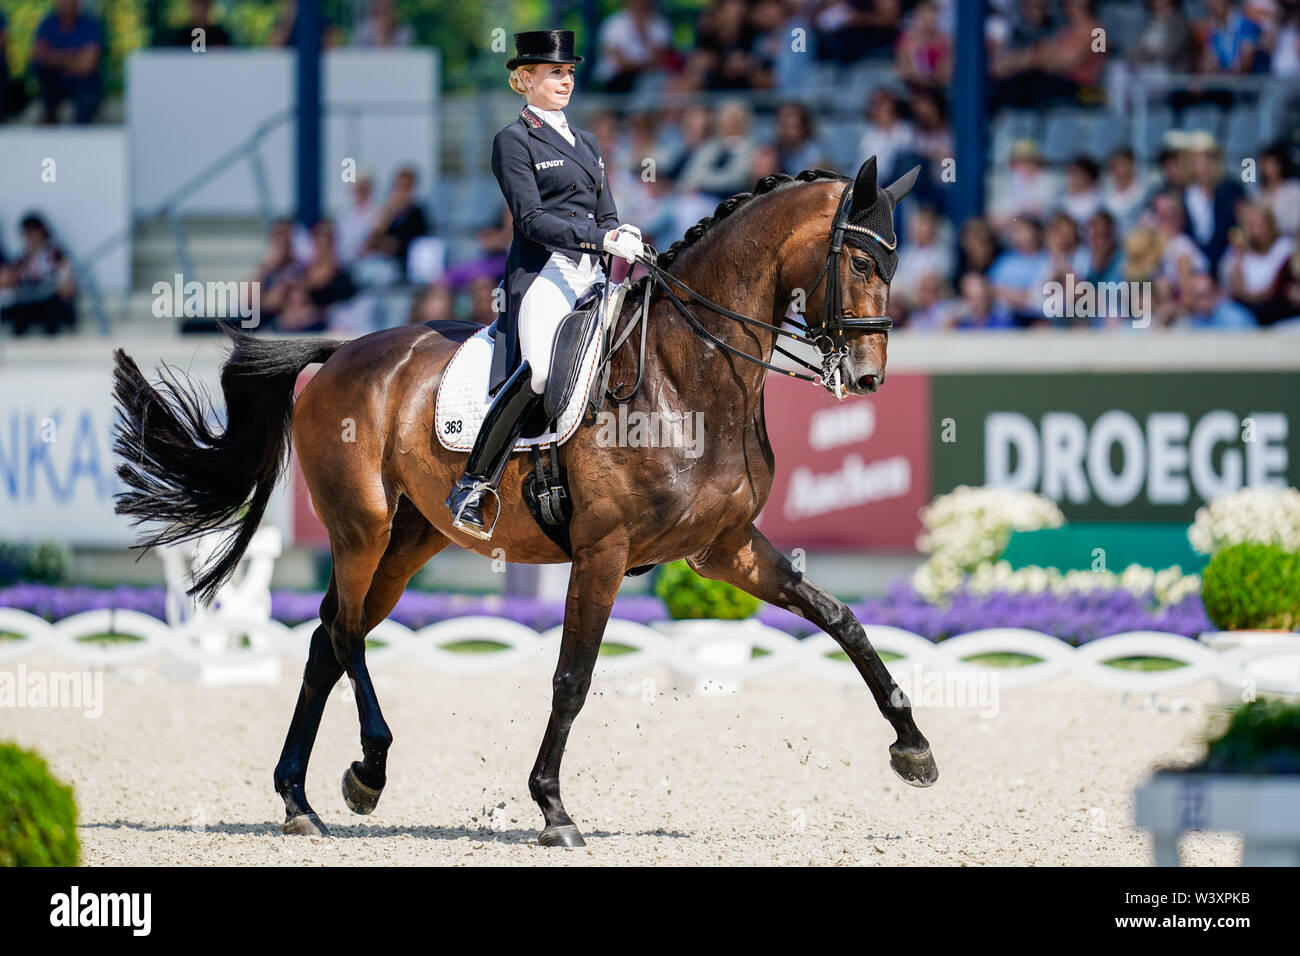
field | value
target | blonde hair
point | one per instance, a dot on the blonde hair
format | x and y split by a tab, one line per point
1143	249
517	80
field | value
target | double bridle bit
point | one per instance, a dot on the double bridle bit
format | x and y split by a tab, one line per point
827	336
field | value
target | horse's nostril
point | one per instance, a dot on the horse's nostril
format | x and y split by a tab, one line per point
867	381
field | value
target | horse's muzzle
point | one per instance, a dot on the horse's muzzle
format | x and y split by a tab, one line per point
860	379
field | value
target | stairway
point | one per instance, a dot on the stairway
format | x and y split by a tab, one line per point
221	250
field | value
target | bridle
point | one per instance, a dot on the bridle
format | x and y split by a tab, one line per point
827	336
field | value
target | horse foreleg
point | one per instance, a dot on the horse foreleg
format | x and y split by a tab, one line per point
593	583
750	562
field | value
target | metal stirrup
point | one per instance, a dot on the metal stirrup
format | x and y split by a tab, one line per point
468	529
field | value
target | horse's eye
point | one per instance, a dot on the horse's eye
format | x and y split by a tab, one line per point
862	265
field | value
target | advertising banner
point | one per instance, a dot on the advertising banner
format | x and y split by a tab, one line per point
1130	447
851	474
57	471
1118	447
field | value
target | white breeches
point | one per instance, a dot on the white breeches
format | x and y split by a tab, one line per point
549	298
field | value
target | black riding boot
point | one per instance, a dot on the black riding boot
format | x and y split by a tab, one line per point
487	459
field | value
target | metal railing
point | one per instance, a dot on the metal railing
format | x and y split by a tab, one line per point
249	150
1272	93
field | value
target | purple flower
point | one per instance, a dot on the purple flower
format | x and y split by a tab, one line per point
1076	618
53	602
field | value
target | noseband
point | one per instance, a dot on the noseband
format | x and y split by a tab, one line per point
827	336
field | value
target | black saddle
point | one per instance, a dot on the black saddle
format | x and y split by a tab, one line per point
546	490
572	339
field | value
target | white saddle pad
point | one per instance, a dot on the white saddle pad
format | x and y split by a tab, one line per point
463	399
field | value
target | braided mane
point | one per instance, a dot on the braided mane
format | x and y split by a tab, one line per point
732	203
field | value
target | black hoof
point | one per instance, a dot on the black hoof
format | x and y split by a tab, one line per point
918	770
567	835
359	798
305	824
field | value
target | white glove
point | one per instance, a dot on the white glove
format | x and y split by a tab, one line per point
624	244
628	227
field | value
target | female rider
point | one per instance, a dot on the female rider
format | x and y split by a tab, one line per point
553	178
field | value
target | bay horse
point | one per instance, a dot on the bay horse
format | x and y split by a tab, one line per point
380	495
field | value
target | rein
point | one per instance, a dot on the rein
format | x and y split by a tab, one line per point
827	336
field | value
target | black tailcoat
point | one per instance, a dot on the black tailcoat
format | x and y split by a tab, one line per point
560	201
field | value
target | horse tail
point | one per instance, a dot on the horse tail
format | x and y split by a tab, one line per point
189	477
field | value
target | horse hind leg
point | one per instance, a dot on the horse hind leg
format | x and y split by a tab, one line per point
751	563
412	542
361	549
342	637
319	676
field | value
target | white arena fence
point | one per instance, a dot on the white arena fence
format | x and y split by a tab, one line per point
713	654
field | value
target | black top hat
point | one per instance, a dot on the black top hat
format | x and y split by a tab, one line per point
543	46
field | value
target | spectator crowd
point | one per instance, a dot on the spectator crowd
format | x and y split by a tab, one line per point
1214	244
1209	251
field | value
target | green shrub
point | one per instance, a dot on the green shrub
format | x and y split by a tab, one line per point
1262	736
687	595
1252	586
38	817
45	563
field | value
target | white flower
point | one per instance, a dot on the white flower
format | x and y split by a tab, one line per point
1171	586
1137	579
968	529
1266	515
